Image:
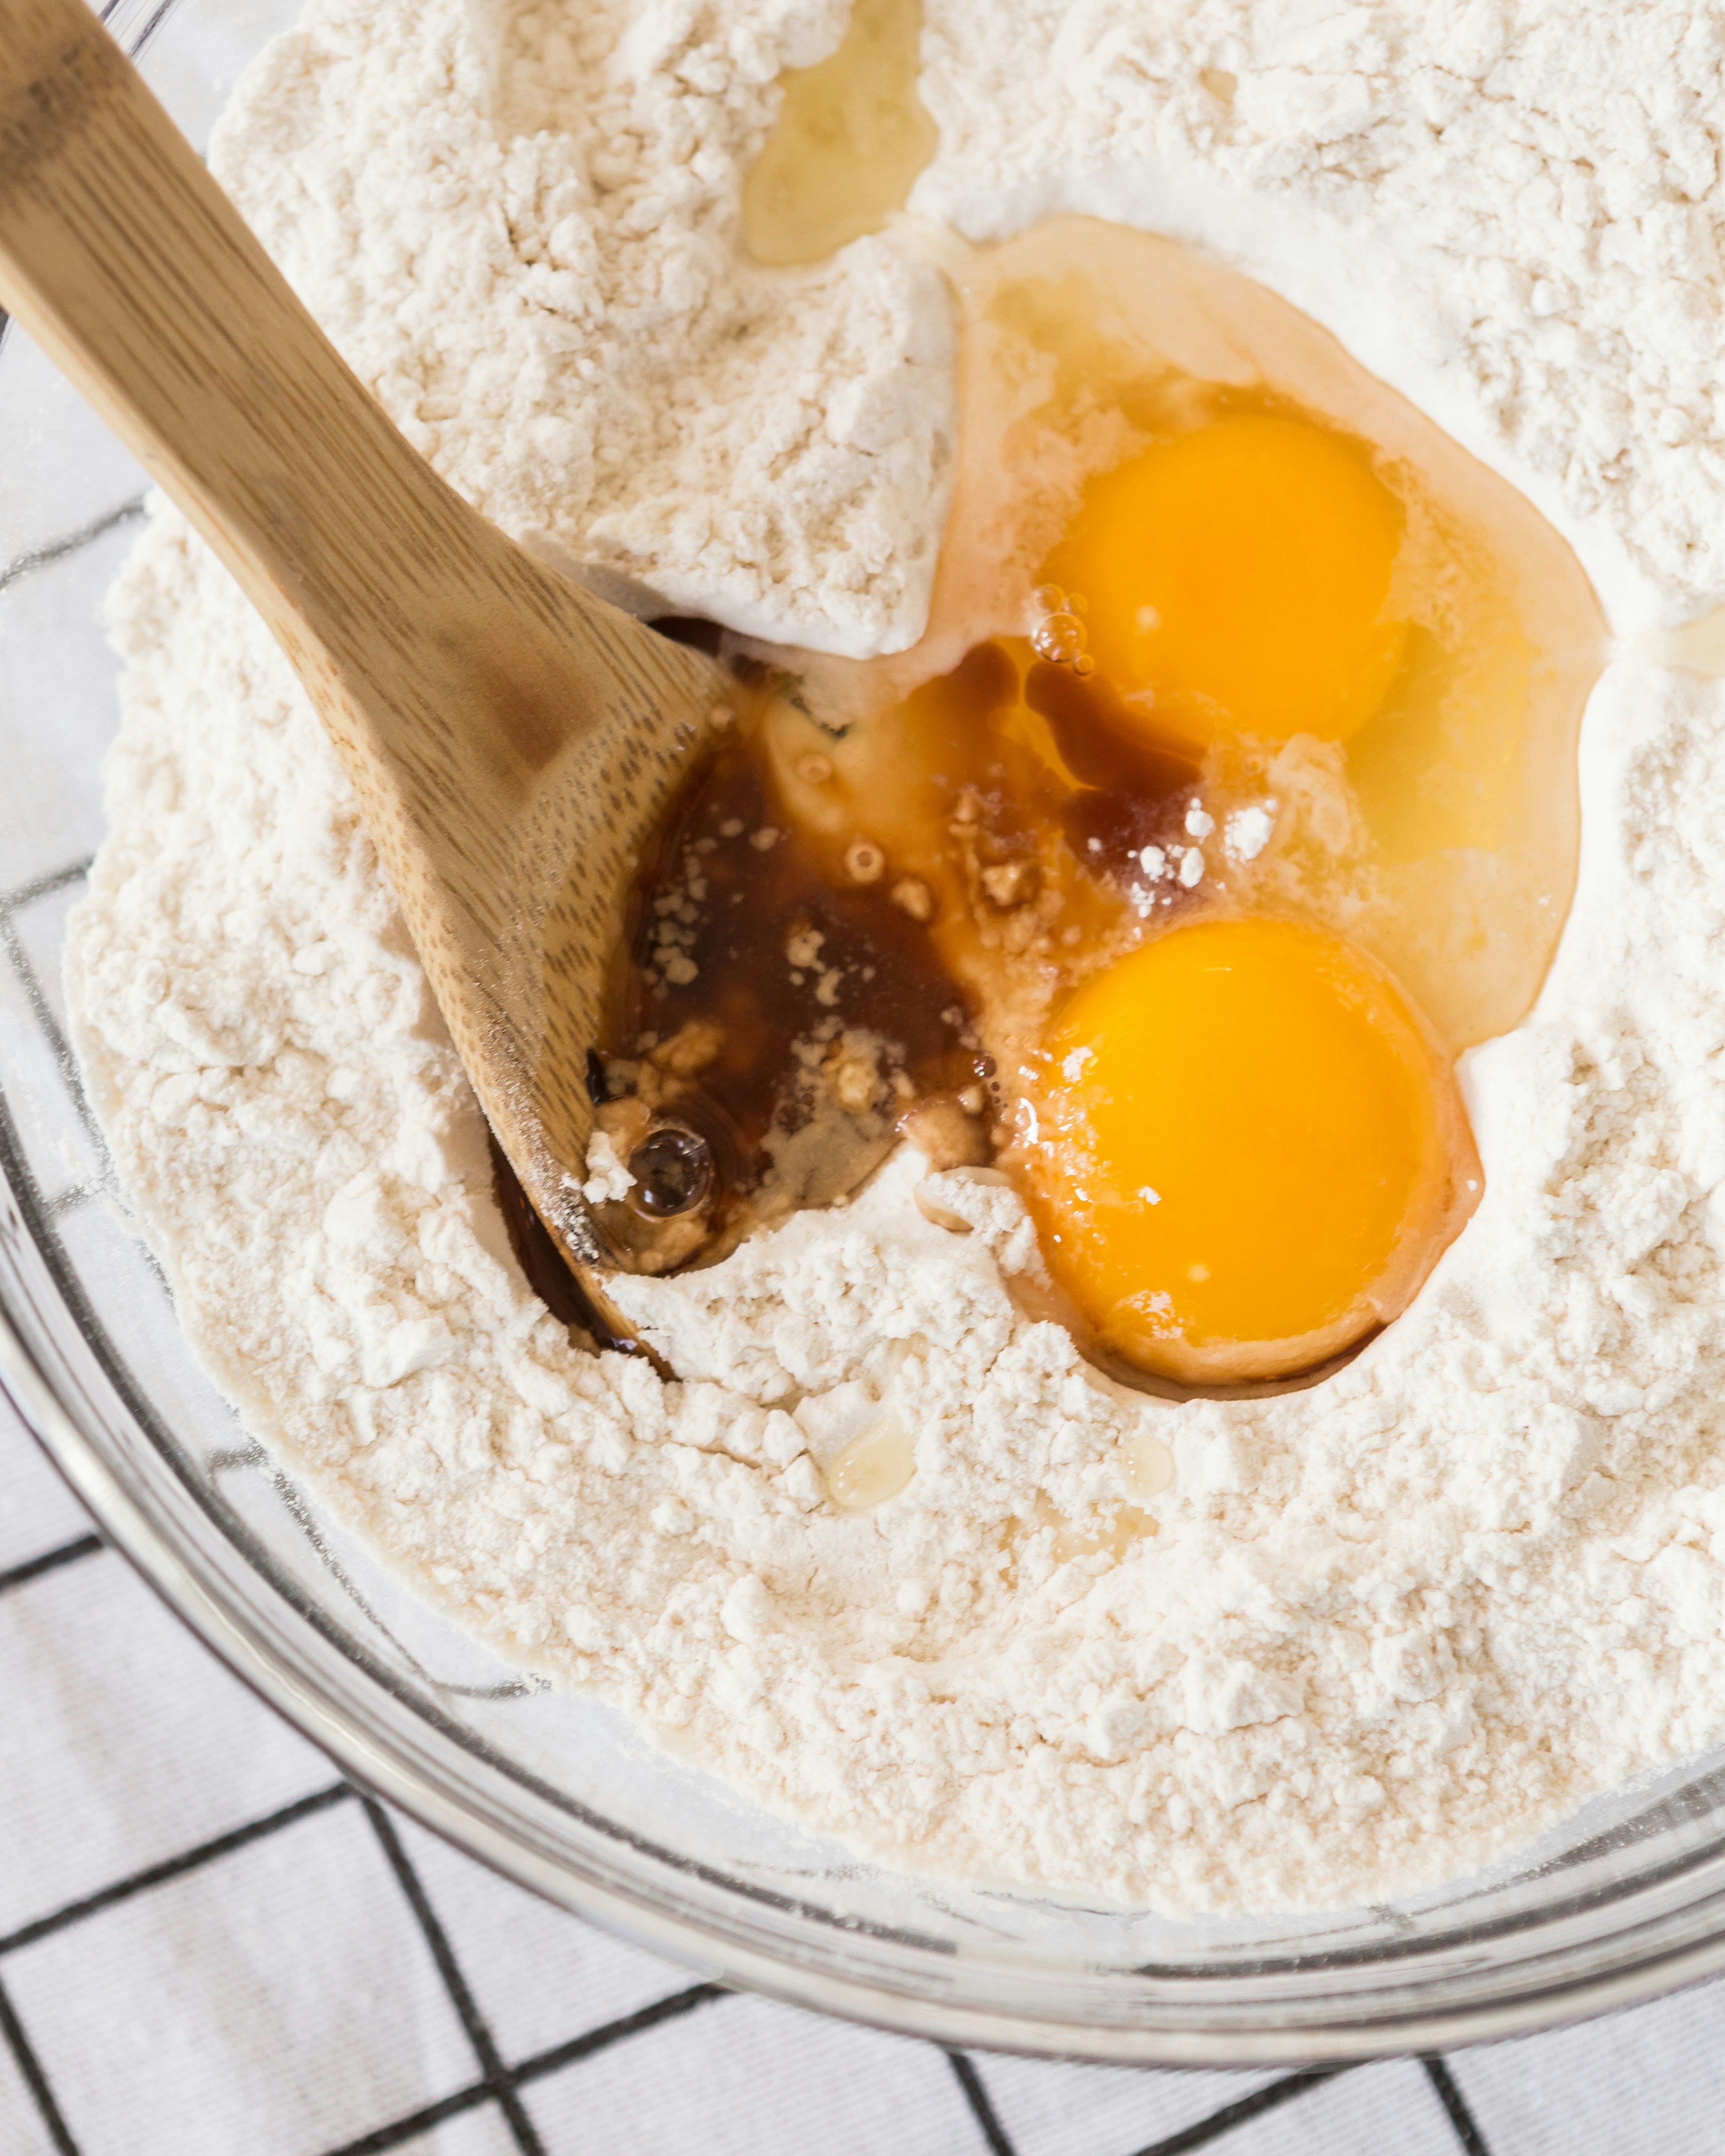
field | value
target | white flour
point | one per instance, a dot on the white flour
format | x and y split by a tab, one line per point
556	318
1389	1627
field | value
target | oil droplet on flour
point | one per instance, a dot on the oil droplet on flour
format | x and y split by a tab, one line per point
1147	1467
852	135
1130	1527
875	1466
1698	647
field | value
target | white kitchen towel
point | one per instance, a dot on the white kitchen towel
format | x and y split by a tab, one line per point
210	1945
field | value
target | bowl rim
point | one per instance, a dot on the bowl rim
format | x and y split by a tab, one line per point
289	1668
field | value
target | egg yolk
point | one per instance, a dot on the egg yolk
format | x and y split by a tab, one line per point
1240	574
1248	1156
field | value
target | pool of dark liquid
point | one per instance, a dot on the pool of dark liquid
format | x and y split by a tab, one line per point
731	895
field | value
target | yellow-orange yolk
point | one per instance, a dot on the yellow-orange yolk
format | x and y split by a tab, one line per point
1240	574
1248	1155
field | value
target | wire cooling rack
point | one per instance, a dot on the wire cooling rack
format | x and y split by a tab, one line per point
318	1977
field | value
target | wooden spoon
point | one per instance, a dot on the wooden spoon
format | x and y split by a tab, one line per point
512	740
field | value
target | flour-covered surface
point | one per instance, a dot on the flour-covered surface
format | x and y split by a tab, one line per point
1371	1635
521	231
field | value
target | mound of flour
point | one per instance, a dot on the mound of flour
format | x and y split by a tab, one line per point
520	230
1382	1630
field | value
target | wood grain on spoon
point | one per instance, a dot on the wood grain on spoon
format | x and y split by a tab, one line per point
511	739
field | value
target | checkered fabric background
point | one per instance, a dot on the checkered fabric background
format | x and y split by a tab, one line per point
210	1945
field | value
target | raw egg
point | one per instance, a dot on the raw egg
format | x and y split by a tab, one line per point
1240	574
1246	1154
1230	795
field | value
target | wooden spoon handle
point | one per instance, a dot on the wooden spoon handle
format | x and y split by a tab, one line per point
512	740
123	258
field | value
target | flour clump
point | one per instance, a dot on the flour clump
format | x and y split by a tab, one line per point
1361	1637
520	230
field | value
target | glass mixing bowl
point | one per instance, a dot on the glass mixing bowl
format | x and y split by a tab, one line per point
1624	1901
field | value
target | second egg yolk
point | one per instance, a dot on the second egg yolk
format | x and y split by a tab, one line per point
1248	1156
1240	574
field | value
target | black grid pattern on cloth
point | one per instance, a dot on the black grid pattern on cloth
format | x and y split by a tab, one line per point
496	2081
